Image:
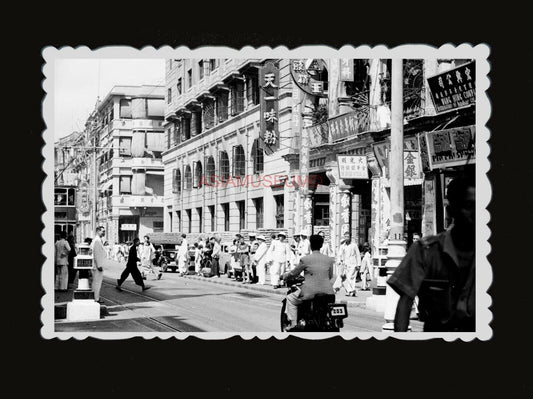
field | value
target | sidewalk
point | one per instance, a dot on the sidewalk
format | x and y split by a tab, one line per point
359	301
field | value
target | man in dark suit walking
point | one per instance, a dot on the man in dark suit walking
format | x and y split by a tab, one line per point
131	268
319	277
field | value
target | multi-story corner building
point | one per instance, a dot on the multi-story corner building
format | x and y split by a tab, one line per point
127	132
228	136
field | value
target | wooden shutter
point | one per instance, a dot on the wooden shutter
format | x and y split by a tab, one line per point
234	162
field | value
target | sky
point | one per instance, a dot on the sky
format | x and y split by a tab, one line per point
78	83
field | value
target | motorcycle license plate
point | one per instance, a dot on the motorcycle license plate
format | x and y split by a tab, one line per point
338	310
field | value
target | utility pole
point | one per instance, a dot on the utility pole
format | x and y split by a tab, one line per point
396	247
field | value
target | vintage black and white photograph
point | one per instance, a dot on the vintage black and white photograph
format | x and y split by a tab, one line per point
266	192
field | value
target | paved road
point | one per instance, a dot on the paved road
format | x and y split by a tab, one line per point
179	304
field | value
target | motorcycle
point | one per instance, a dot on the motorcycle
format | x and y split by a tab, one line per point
320	314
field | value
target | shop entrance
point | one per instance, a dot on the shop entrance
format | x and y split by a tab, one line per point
128	228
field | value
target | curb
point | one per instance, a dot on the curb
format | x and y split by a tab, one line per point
253	287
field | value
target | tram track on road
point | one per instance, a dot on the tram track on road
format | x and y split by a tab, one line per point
152	319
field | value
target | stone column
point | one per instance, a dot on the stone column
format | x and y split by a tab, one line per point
339	205
396	247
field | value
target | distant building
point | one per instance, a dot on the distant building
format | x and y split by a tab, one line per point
129	140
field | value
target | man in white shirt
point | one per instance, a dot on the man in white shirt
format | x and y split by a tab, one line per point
280	253
303	248
99	258
183	256
62	249
348	260
259	259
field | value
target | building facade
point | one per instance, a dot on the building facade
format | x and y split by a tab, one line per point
222	174
349	153
127	127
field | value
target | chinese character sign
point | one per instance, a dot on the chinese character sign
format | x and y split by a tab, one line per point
269	83
454	88
307	74
451	147
352	166
83	197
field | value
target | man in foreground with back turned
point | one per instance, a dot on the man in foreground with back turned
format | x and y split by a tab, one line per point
441	270
318	274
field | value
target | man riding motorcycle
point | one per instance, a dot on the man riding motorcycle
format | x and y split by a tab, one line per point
318	271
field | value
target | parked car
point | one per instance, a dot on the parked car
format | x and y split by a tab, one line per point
168	245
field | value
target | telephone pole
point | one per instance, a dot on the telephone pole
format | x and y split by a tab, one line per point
396	247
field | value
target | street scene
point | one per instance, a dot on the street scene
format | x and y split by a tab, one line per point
265	195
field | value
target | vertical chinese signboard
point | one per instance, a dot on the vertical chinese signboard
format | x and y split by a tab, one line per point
454	88
269	83
83	197
346	70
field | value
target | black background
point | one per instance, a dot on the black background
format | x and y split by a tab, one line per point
292	367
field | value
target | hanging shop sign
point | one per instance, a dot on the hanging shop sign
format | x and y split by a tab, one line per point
83	197
269	131
413	173
307	74
128	227
352	166
346	70
451	147
454	88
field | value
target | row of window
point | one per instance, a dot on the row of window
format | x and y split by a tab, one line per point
225	207
215	109
238	168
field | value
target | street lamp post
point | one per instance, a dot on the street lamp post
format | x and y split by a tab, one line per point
396	246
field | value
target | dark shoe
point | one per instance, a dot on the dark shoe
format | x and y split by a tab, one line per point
146	287
159	276
275	287
99	301
118	288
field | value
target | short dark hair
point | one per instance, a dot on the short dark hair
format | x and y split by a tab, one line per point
147	236
184	235
100	228
136	239
316	242
457	189
63	234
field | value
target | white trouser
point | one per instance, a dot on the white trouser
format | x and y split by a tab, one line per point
261	273
183	266
61	282
351	274
98	277
277	269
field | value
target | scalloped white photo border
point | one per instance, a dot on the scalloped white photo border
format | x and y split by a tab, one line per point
479	52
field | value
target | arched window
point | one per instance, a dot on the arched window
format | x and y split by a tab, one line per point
239	161
197	174
176	187
188	178
210	173
258	157
224	165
